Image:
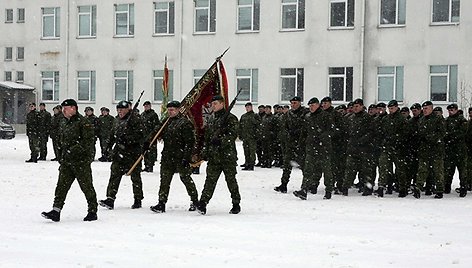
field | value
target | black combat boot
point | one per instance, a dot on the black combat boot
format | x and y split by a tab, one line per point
389	189
159	208
103	159
248	167
345	191
416	192
54	215
108	203
463	192
438	196
32	160
300	194
136	204
202	208
336	191
428	192
282	188
367	191
259	164
243	165
380	192
149	169
91	216
402	193
314	189
447	188
235	209
327	195
193	206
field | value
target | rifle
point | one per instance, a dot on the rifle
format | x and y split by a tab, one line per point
223	119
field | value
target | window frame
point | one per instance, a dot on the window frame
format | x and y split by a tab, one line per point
297	89
297	17
156	77
8	76
8	54
170	14
20	51
21	12
92	86
345	80
448	83
211	12
449	22
8	15
397	23
129	84
130	16
18	80
55	85
56	22
253	84
396	83
346	25
255	14
92	15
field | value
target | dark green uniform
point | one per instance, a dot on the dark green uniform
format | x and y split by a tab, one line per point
268	139
248	128
259	139
469	154
93	119
32	131
179	139
393	131
339	142
150	123
44	127
106	124
431	131
127	139
55	132
412	143
220	151
377	138
316	140
77	137
456	151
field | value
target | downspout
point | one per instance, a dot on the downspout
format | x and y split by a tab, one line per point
181	41
67	49
362	52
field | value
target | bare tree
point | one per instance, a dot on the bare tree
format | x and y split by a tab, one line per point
465	96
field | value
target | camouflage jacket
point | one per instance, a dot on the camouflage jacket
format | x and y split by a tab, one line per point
360	132
150	121
316	132
58	120
249	126
77	141
456	130
127	138
32	123
106	124
220	146
431	132
179	140
393	131
44	122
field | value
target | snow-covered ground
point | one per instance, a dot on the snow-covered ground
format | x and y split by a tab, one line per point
273	230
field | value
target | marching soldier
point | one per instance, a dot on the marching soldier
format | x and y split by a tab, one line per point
94	121
151	122
469	151
248	128
413	142
128	137
57	120
32	131
44	127
261	113
106	124
268	129
77	137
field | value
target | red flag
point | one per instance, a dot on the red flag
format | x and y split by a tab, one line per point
165	91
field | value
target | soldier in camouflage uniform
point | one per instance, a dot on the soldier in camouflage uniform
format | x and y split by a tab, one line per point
32	131
376	142
268	139
359	149
106	124
75	154
128	138
57	121
412	143
44	127
94	121
179	140
248	128
220	151
151	122
455	149
469	151
316	139
431	132
393	130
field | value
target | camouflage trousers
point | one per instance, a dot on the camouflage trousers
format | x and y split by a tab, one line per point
151	156
315	166
167	172
249	146
431	163
388	157
338	165
292	157
55	146
117	172
43	145
34	146
105	146
456	157
214	171
412	166
67	174
358	164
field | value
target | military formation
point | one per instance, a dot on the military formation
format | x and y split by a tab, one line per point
385	148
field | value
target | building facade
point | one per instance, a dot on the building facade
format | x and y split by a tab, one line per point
100	52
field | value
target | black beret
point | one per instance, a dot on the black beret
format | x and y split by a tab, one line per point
426	103
69	102
341	107
261	106
286	106
57	107
147	103
296	98
350	104
416	106
268	106
313	100
248	104
372	106
33	103
405	109
122	104
276	106
358	101
392	103
438	109
326	99
42	104
217	98
452	106
381	105
103	109
88	108
175	104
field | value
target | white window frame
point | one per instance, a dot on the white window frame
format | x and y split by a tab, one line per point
18	74
198	74
253	84
296	90
130	16
8	15
170	15
346	14
399	5
157	78
209	12
448	84
91	14
449	22
128	82
55	84
345	88
90	78
21	15
396	83
8	76
8	53
297	27
255	10
56	22
20	53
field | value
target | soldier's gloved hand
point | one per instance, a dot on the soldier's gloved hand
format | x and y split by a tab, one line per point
185	163
146	146
216	141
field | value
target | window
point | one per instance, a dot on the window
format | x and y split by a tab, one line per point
342	13
247	80
86	85
205	16
164	17
197	74
51	22
392	12
124	20
340	83
87	21
8	53
248	15
390	83
446	11
158	77
443	83
7	76
293	14
50	86
20	53
123	81
21	15
20	76
8	15
291	83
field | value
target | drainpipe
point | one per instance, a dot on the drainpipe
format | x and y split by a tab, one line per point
362	52
181	41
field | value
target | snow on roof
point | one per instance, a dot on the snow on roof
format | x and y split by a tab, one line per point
13	85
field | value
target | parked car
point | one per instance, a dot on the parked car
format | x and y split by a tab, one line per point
6	131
